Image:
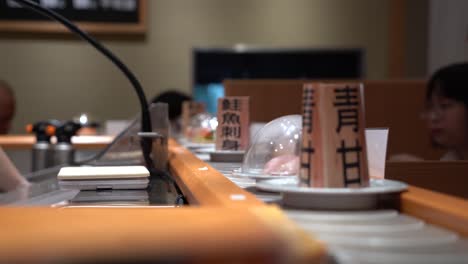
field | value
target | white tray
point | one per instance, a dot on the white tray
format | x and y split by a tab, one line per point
130	184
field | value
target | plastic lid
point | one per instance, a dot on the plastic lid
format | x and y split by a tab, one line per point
202	128
275	148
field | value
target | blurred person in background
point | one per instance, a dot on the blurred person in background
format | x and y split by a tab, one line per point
446	113
446	110
174	99
7	107
10	178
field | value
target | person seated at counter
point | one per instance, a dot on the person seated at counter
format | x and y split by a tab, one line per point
446	112
7	107
10	178
174	99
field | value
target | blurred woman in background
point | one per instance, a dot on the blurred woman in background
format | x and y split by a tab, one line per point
10	178
7	107
446	111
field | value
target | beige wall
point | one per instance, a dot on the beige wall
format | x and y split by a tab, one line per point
57	78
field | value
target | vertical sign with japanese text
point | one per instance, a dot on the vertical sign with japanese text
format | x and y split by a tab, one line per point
309	157
333	146
232	132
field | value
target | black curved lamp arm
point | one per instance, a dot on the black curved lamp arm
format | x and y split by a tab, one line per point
145	116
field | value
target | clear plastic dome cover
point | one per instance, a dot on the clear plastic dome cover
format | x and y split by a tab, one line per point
275	148
202	128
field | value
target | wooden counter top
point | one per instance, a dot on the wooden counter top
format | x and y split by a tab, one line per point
195	235
223	224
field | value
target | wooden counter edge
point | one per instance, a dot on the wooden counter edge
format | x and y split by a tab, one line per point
202	184
302	246
25	142
205	186
436	208
240	230
195	235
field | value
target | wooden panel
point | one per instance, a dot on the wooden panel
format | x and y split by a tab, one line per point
269	99
397	39
436	208
79	142
395	104
448	177
202	184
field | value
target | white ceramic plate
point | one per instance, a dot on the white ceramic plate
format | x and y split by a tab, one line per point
331	198
377	186
194	145
205	150
237	173
243	182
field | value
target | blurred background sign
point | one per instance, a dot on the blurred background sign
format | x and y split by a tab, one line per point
94	16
